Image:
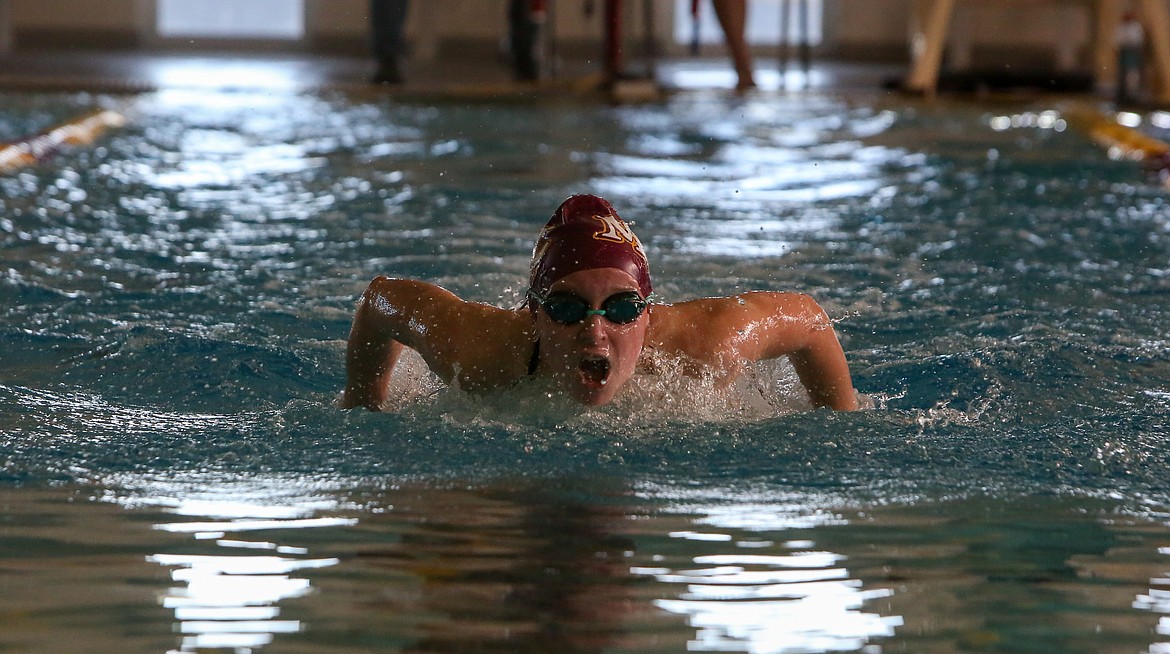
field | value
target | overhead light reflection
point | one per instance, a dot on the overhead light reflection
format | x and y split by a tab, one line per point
746	588
754	196
795	602
228	594
253	525
1157	600
230	601
222	74
694	77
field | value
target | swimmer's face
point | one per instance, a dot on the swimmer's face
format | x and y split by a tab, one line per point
592	359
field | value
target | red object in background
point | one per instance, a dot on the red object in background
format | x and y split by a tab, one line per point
613	39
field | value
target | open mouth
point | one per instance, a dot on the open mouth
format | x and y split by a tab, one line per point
594	370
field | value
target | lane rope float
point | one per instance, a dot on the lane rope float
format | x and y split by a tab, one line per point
81	130
1121	141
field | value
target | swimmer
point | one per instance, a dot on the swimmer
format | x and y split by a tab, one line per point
587	326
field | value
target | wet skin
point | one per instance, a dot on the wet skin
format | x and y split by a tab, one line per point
591	360
483	348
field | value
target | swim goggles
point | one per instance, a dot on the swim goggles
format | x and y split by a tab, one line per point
568	309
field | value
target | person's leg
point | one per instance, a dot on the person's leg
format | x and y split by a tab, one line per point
732	15
523	31
387	21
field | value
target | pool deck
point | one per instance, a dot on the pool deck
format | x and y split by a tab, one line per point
454	78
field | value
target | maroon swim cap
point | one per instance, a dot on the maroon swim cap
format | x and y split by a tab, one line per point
586	233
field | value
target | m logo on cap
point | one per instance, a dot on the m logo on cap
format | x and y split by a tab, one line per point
585	233
615	230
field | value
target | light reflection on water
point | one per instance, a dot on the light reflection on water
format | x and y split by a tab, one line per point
741	576
1157	600
176	300
232	599
800	602
754	594
759	168
321	562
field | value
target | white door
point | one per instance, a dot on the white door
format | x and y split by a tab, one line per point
230	19
763	22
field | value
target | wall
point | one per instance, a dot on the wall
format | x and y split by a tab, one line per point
856	29
100	23
75	15
332	24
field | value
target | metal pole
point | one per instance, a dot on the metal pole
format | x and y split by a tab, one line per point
805	47
694	28
782	48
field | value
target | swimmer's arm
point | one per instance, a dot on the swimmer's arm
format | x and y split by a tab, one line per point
725	333
392	314
485	347
794	325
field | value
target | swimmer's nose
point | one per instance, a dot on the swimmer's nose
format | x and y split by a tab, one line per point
593	329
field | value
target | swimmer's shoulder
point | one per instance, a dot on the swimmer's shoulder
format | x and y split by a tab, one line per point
477	345
491	346
734	308
695	328
708	329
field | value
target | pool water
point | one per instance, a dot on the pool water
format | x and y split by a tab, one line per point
174	476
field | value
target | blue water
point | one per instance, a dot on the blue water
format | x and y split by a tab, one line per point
174	302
